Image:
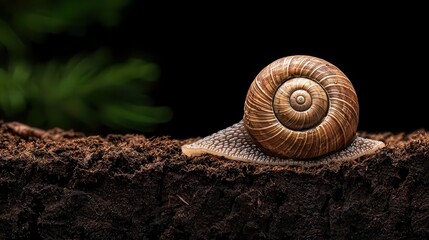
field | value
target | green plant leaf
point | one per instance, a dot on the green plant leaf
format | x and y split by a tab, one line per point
85	93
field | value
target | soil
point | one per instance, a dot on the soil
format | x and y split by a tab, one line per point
60	184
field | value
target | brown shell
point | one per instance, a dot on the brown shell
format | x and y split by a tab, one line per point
301	107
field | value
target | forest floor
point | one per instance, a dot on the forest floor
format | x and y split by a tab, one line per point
60	184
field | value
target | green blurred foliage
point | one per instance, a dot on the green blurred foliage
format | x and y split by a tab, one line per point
84	92
32	20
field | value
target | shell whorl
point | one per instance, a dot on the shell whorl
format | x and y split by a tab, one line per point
301	107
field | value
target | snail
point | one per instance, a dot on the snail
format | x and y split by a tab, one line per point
299	110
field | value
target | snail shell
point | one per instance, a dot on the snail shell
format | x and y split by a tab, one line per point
299	110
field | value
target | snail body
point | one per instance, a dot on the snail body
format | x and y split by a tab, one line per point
299	110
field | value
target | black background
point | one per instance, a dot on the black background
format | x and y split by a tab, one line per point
210	54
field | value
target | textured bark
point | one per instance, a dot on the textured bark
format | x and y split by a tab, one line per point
64	185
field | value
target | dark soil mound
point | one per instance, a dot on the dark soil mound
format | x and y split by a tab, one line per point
64	185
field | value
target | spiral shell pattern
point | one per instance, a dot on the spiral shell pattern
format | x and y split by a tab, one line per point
301	107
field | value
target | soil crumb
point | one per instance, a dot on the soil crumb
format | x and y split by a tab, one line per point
60	184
